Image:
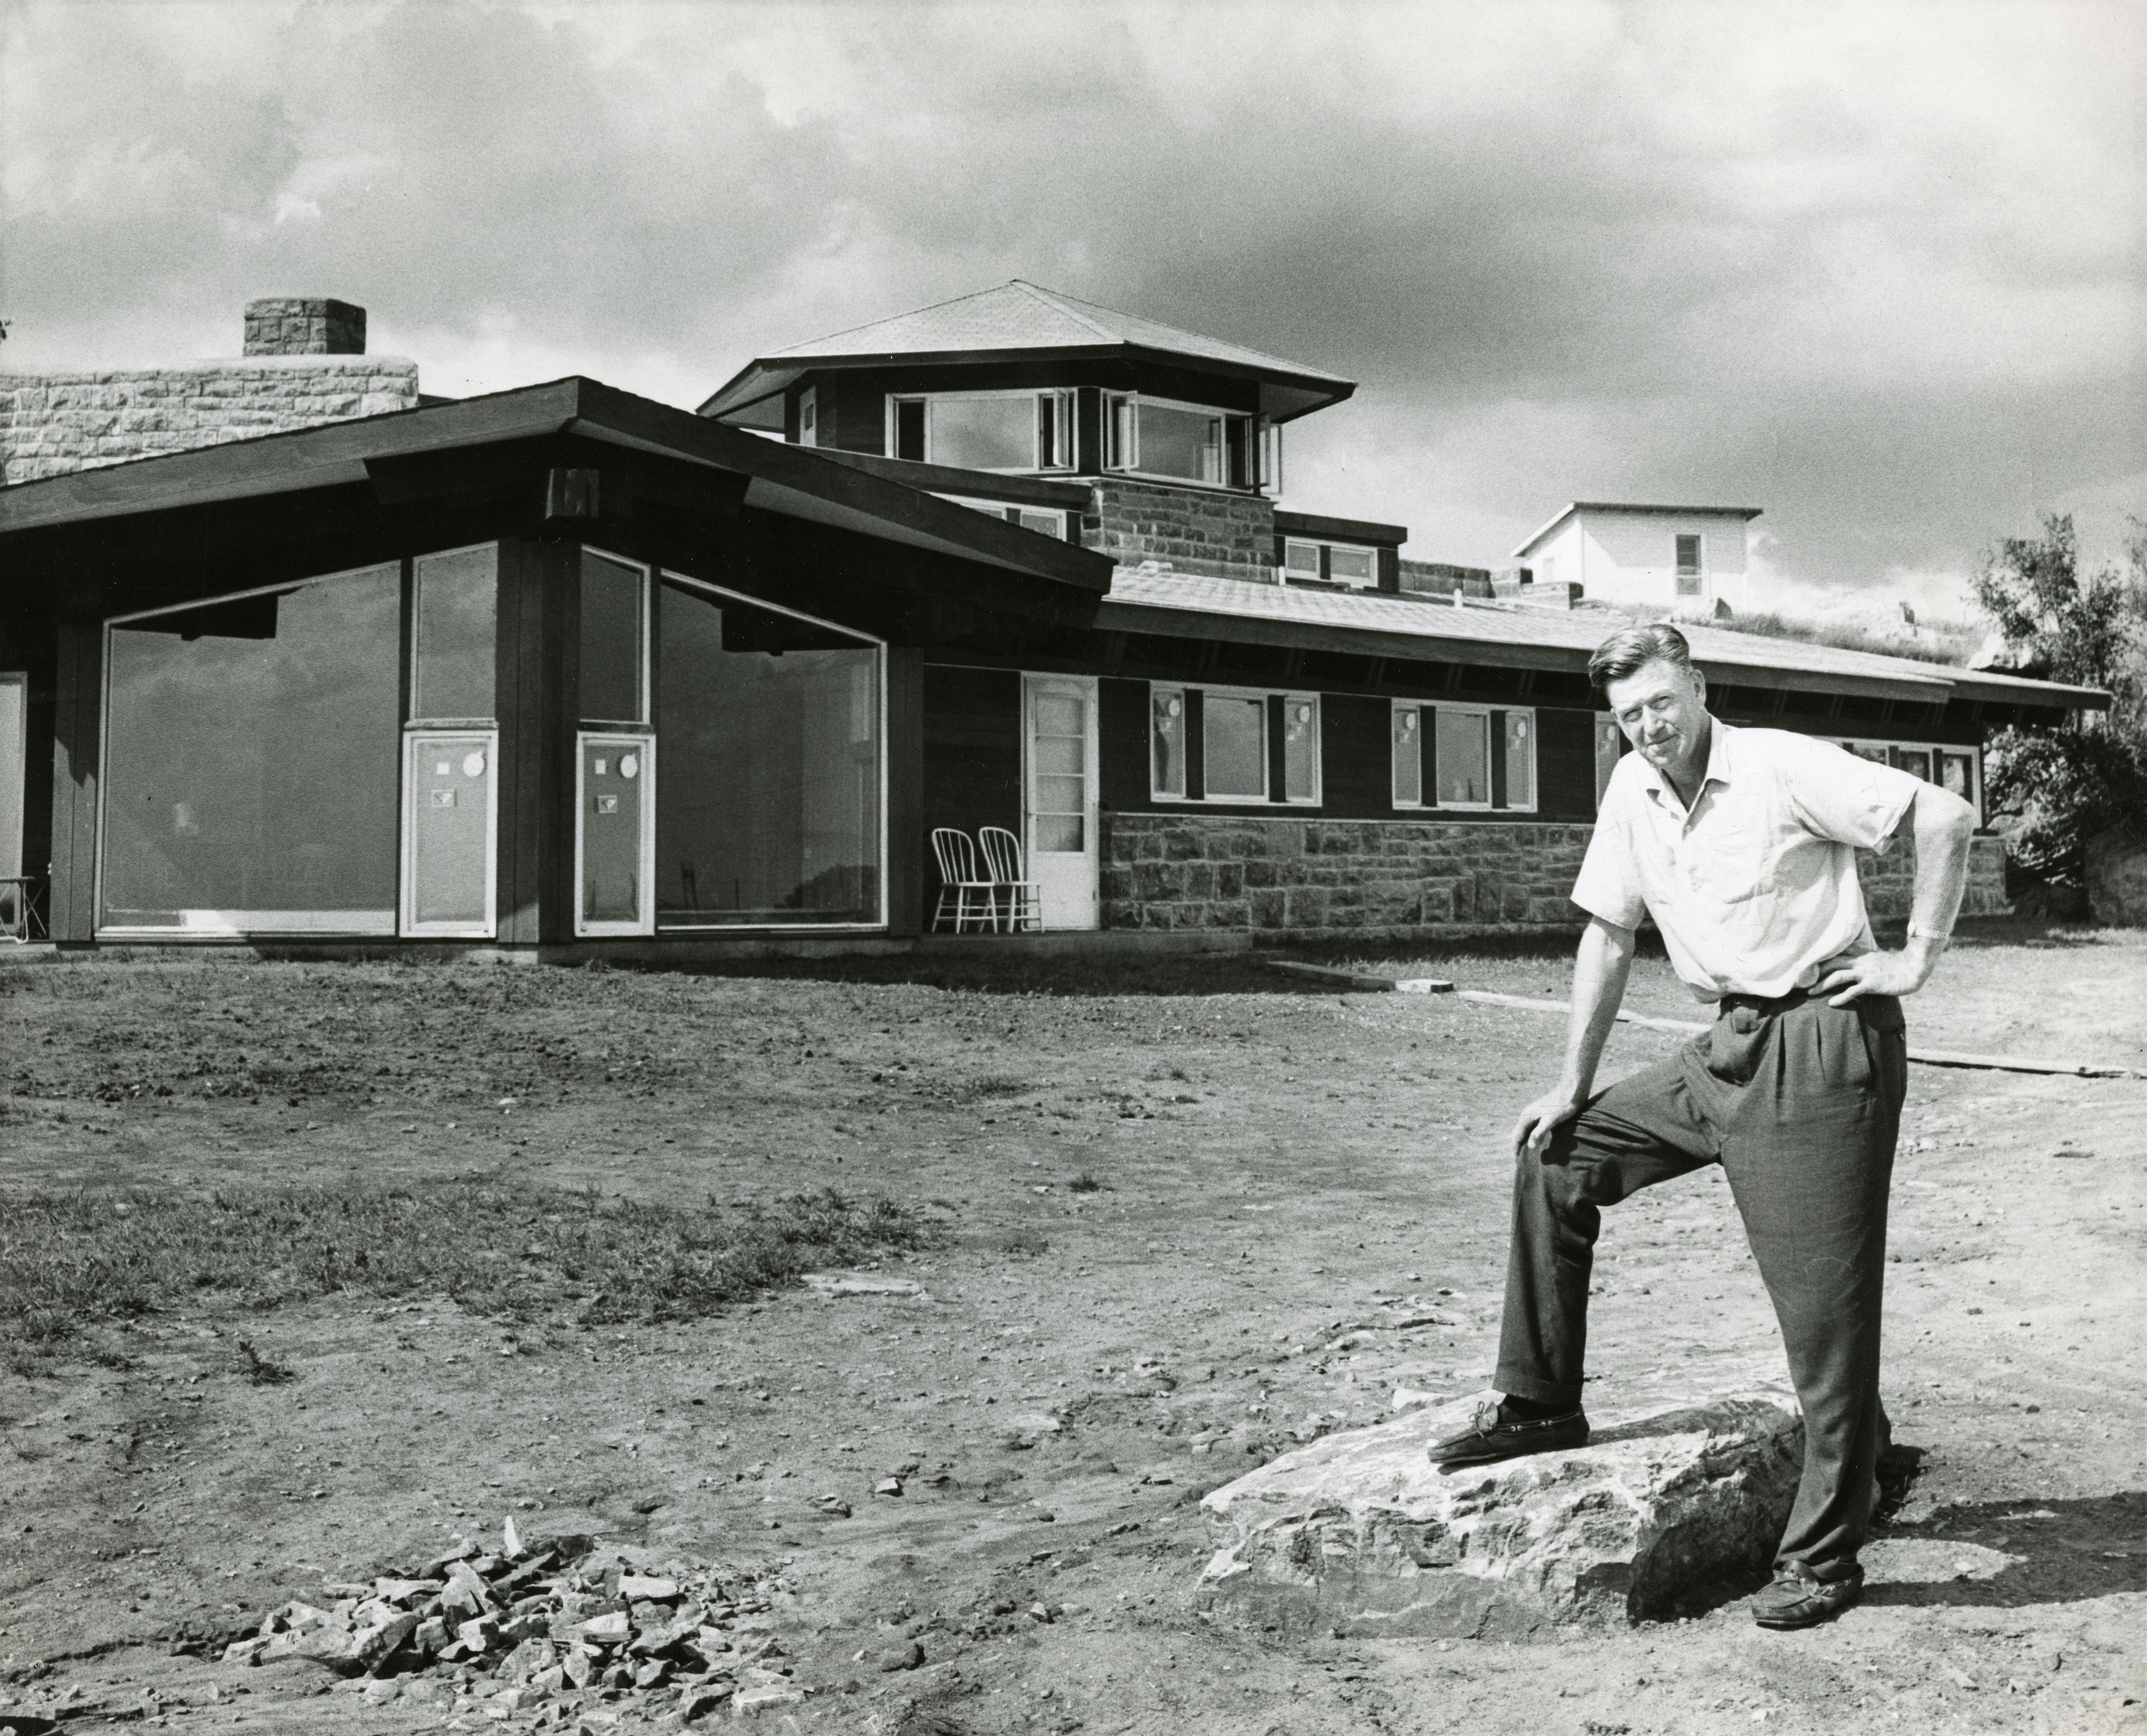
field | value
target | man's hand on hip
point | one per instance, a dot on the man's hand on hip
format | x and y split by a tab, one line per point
1896	973
1542	1117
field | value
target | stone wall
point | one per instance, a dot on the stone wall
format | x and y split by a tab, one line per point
1190	530
1285	879
54	423
1438	578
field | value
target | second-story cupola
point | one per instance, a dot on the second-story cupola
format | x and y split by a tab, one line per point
1022	380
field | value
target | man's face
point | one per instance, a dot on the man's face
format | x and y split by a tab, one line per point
1662	708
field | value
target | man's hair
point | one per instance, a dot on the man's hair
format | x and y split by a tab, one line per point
1624	652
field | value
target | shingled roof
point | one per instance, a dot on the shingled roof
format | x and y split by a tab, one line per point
1018	320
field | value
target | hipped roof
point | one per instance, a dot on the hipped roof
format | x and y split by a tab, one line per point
1022	321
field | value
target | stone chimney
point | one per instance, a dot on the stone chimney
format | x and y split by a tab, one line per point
304	326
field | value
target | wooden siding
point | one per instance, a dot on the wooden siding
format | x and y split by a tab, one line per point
71	910
972	763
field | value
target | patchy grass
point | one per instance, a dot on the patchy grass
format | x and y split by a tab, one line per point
1951	642
519	1252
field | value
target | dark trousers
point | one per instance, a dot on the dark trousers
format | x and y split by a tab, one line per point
1800	1103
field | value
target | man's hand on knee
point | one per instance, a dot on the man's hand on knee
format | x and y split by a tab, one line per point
1532	1132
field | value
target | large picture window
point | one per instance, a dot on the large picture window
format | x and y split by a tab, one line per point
1188	442
1233	744
1464	758
983	430
251	763
769	814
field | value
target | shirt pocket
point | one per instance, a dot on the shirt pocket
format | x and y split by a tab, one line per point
1729	858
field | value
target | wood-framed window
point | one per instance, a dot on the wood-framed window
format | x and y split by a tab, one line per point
1463	759
1242	746
1045	521
1348	563
1690	551
1174	440
809	418
1002	431
611	649
1951	765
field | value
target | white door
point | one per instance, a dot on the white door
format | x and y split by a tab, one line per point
450	820
615	835
1059	820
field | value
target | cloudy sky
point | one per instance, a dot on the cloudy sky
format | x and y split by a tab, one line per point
1877	267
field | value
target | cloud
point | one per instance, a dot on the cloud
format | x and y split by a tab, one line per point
1874	267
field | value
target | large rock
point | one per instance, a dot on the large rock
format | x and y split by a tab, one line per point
1358	1532
2117	876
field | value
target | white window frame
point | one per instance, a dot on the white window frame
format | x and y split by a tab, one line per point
417	719
1063	415
1888	745
1433	805
879	646
1112	400
405	896
1013	512
1324	549
103	931
600	725
1160	690
1291	542
1698	574
1270	798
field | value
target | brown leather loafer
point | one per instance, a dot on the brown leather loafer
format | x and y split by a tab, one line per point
1797	1600
1493	1435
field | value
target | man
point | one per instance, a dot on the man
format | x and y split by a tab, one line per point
1741	845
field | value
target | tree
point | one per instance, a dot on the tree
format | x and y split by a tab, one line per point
2061	785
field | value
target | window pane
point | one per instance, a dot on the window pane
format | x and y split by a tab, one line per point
909	428
1867	750
1957	772
1046	524
1061	714
1235	732
808	420
1915	760
457	637
252	772
1521	760
768	810
1300	748
1180	442
1463	751
1354	566
1609	745
1688	566
1118	434
611	639
1060	831
1302	558
1062	753
1409	756
982	433
1167	718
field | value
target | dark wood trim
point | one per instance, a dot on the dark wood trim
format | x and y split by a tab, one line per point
904	747
78	727
1340	530
980	484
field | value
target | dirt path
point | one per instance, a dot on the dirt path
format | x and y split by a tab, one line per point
1270	1165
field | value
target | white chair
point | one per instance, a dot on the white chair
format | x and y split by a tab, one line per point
1025	906
964	894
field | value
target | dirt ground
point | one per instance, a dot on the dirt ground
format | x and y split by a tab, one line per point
1270	1161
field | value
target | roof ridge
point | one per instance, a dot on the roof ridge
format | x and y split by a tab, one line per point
1056	303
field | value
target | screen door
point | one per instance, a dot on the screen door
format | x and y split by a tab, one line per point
614	835
450	814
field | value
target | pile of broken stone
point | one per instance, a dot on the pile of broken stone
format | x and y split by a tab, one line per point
554	1626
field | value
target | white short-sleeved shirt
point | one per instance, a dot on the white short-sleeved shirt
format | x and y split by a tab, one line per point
1754	887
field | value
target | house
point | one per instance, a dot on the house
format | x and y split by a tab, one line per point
565	672
1690	559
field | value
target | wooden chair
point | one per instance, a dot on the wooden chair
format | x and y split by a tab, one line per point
1025	906
964	894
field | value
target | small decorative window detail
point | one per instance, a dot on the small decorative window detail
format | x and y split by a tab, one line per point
1233	745
1464	758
